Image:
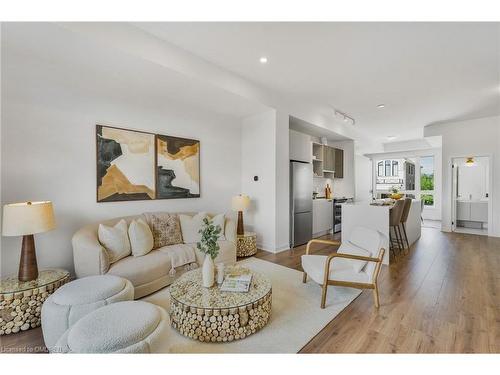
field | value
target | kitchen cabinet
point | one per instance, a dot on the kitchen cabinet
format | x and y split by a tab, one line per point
328	159
463	211
300	147
339	163
322	216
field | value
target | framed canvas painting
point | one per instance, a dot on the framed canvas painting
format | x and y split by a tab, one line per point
125	164
177	167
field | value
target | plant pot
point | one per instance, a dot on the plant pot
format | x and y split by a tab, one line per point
208	272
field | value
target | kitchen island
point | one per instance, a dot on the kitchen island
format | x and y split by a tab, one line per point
377	217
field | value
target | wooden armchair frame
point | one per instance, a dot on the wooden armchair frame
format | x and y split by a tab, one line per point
373	285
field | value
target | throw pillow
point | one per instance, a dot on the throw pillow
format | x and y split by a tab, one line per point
141	238
115	240
221	221
165	228
190	227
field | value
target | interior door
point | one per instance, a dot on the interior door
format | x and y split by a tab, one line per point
454	195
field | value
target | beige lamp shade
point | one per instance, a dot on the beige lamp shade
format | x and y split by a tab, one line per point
240	202
27	218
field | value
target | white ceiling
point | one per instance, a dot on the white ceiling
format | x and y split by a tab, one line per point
422	72
44	55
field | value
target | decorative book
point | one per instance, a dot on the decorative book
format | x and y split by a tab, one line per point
236	283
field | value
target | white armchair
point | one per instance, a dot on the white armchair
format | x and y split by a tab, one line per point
353	265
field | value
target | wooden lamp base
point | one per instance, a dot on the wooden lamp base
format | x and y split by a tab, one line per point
240	231
28	269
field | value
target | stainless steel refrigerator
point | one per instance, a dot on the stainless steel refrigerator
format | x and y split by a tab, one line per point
301	189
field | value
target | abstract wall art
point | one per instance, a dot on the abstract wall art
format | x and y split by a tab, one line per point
135	165
177	167
125	164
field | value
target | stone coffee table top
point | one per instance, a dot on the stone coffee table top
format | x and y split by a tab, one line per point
188	290
45	277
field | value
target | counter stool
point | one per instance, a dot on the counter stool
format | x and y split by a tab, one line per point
404	218
395	214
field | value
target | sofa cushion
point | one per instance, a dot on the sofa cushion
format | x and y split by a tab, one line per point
190	226
220	220
165	228
115	240
340	269
227	253
141	238
142	270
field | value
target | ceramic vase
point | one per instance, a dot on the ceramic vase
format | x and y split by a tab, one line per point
208	272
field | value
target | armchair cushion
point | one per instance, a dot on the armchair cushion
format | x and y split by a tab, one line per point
340	269
349	248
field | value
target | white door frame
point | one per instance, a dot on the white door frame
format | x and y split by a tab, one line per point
490	190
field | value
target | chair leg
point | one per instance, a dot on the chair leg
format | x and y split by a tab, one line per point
304	277
401	238
406	236
398	241
375	296
323	295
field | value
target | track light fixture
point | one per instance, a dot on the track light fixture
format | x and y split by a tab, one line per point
343	116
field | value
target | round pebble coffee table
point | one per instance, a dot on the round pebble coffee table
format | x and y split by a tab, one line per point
209	315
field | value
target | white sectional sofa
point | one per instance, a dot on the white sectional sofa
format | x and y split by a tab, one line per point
147	273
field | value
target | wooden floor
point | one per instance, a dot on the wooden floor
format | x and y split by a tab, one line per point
444	297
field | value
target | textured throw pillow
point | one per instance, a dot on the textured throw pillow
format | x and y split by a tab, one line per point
165	228
221	221
190	226
115	240
141	238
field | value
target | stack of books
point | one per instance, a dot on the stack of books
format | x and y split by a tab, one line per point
236	283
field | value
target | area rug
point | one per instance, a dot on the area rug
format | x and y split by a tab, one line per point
296	316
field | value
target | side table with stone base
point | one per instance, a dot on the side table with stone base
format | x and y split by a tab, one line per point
246	244
21	301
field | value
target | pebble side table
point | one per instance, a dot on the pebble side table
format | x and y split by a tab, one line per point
246	244
209	315
21	301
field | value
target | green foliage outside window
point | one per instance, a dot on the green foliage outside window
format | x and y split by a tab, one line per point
428	199
427	182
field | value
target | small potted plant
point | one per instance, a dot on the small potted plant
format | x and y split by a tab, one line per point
209	246
395	194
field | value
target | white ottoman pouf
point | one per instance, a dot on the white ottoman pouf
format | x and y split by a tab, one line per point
123	327
76	299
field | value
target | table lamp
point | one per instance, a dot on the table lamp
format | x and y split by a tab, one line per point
240	203
26	219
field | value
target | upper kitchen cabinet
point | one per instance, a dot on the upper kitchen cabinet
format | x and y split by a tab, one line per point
328	159
339	163
300	147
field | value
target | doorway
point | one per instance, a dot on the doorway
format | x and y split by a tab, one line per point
471	195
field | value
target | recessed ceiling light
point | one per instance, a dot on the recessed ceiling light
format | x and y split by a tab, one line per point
263	60
391	137
381	106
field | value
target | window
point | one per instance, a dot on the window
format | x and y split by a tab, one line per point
395	168
380	169
427	180
388	168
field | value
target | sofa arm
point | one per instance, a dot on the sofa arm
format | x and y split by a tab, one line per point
89	256
230	230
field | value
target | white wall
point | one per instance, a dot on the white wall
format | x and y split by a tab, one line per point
479	137
258	158
282	192
48	152
473	181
